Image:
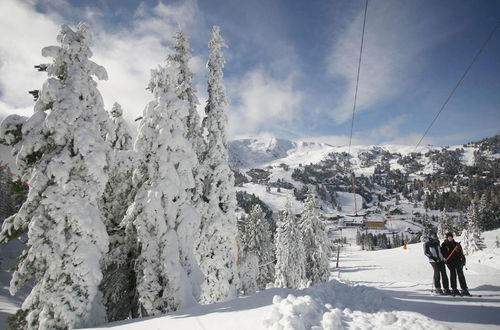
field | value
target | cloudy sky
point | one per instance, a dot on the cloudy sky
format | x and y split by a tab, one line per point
291	64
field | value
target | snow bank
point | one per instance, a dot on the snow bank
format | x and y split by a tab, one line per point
335	305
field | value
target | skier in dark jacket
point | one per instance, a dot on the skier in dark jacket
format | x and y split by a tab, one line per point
433	251
455	260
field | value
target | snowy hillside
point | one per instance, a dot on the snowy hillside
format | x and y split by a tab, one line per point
386	289
428	179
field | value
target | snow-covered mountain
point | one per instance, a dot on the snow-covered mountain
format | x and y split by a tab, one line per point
247	153
430	179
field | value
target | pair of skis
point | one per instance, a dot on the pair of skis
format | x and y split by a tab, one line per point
434	293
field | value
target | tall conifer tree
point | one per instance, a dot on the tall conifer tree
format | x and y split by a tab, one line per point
64	158
217	249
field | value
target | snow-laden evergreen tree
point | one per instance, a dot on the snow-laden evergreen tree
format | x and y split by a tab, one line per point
315	242
5	199
187	91
64	158
427	228
444	225
290	269
162	210
118	285
190	232
11	135
119	134
248	272
217	249
255	238
471	235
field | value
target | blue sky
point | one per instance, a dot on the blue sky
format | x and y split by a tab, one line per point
291	65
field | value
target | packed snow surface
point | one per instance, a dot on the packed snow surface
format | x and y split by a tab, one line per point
385	289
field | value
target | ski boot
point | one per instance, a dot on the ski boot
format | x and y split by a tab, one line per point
439	292
447	292
455	292
465	293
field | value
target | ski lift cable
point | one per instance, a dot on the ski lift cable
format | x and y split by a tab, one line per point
459	82
354	105
357	77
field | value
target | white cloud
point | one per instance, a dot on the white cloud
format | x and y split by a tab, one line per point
387	130
24	34
388	133
394	44
127	54
334	140
262	101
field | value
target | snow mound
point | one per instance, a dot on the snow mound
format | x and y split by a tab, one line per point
335	305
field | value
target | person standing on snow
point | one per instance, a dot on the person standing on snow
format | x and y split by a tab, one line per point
455	260
433	251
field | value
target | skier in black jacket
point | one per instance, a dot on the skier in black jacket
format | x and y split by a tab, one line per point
455	260
433	251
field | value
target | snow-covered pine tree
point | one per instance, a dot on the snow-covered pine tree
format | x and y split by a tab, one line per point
290	255
11	135
315	242
118	285
471	235
248	262
64	158
427	228
119	134
189	232
162	204
255	238
217	249
187	91
444	225
5	199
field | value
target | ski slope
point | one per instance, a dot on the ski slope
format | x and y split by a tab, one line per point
407	276
385	289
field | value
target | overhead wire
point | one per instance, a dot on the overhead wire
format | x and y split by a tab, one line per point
458	83
357	77
354	105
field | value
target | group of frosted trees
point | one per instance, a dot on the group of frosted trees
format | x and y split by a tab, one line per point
470	235
300	253
119	228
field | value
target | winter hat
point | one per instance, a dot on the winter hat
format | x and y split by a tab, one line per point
433	236
449	234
